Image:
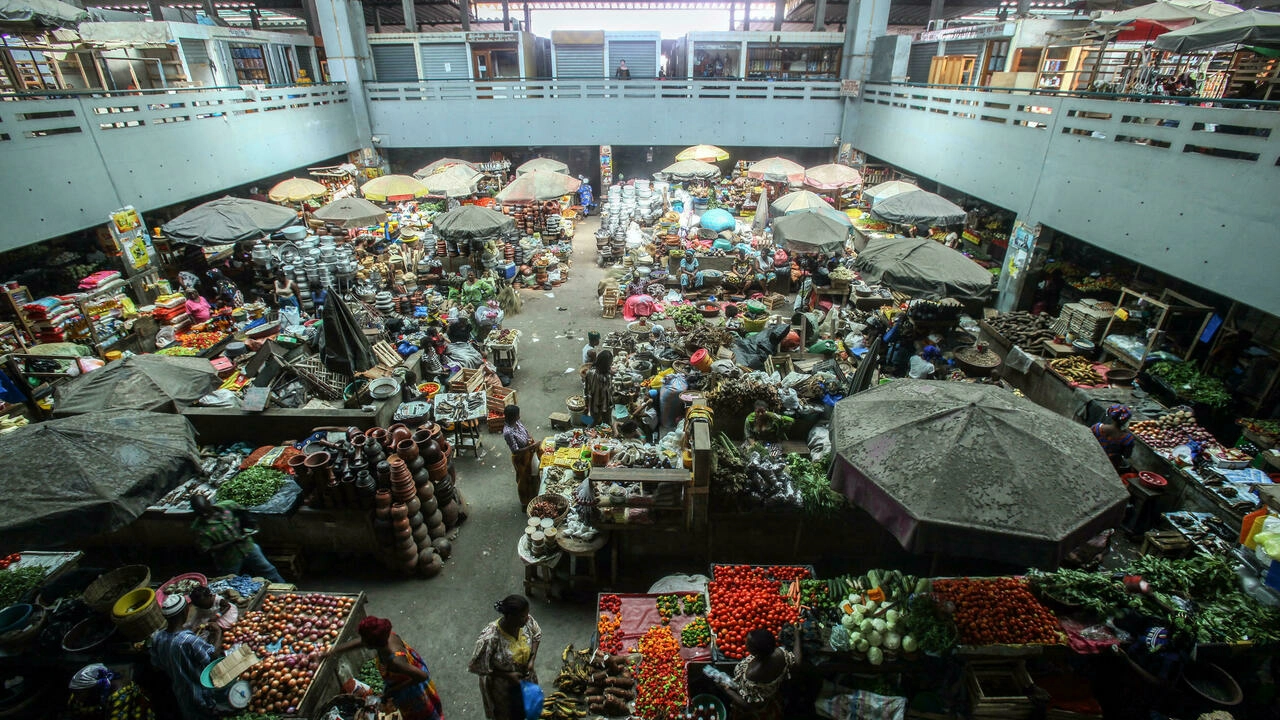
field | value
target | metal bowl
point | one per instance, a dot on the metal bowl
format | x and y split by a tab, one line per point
383	388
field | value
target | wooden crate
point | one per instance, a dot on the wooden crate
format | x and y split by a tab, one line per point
500	397
998	690
466	380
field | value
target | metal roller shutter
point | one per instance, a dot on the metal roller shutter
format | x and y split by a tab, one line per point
922	55
394	63
641	57
580	61
964	47
444	61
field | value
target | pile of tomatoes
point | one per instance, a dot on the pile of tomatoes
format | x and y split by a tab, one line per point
745	598
662	689
997	612
787	573
199	340
305	625
9	560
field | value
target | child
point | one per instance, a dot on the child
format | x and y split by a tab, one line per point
208	609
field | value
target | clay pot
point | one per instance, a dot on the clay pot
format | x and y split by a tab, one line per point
451	512
317	461
359	441
353	432
445	447
438	471
407	450
382	500
438	531
421	476
432	568
378	435
421	535
405	543
383	514
435	518
430	453
426	491
416	520
298	464
429	432
429	506
443	547
399	432
414	505
400	531
408	558
399	511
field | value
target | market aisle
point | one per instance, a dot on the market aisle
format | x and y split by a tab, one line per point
442	617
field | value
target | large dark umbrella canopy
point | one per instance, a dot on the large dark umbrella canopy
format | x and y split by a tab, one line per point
810	232
1251	27
228	220
140	382
75	477
973	470
923	268
472	222
918	206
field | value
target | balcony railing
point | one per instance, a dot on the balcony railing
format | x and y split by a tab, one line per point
602	88
70	158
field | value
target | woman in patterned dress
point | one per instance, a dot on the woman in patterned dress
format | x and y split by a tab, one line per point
408	683
504	656
758	677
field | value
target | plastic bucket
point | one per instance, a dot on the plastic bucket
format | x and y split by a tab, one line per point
701	360
137	614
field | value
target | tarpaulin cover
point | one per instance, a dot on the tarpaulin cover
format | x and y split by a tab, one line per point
472	222
46	13
1251	27
752	351
918	206
640	612
810	232
344	347
109	467
141	382
228	220
717	220
923	268
973	470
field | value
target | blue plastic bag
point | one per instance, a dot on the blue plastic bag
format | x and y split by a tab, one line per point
533	699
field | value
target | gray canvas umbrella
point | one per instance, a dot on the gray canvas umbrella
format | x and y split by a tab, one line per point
42	13
141	382
1159	11
923	268
543	164
1251	27
688	170
810	232
537	186
351	212
109	468
453	181
441	164
805	201
472	222
910	208
973	470
228	220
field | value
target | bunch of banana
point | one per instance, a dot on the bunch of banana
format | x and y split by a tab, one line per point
575	671
559	706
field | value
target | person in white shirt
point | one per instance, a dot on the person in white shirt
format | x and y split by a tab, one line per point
593	341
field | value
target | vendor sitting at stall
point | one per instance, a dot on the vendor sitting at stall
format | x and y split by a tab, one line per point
690	275
97	693
758	678
732	322
475	291
926	364
748	269
197	307
764	426
1116	440
646	415
407	682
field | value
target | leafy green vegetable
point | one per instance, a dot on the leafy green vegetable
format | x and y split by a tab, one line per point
369	675
1190	384
15	582
930	625
252	487
810	478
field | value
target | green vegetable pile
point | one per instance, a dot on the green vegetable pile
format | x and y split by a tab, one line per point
15	582
929	624
369	675
815	594
1190	384
252	487
1220	611
810	478
685	315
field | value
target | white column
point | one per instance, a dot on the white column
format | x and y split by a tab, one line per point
347	50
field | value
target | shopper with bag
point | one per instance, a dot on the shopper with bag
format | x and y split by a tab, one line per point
503	658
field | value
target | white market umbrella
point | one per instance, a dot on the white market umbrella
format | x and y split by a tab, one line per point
776	169
886	190
832	176
542	164
453	181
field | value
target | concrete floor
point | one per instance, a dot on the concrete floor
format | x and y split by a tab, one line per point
442	617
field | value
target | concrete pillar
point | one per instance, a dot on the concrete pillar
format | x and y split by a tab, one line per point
746	14
346	47
464	15
820	15
866	20
936	10
157	10
779	10
410	15
506	14
1027	246
309	15
733	13
528	19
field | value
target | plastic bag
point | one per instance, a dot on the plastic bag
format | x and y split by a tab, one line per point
1018	360
862	705
533	699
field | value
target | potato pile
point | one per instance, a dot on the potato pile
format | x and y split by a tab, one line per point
1171	430
1027	331
1076	369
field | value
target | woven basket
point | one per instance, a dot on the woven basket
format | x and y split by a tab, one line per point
103	593
559	500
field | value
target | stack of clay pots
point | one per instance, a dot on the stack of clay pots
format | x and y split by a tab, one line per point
341	475
408	518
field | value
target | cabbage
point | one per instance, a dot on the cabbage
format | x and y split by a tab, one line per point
909	644
875	638
848	621
891	616
857	613
871	606
890	626
892	641
866	626
854	637
862	645
878	624
875	655
839	639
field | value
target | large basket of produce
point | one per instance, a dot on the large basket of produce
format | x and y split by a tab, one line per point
551	506
103	593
